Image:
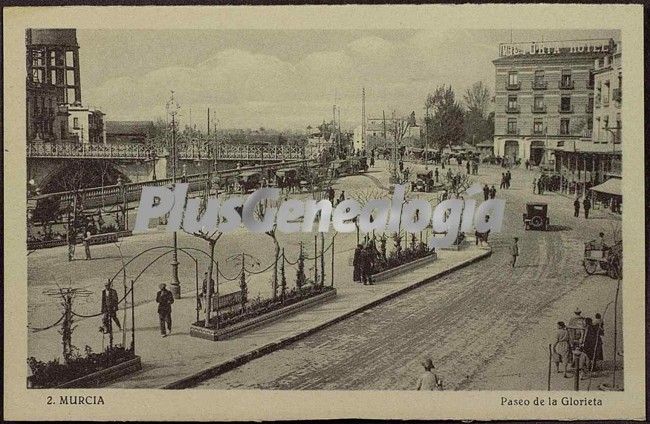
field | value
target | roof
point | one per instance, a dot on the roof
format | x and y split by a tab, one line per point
611	186
52	37
129	127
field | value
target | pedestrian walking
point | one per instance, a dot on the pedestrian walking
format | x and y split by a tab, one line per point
428	380
368	263
486	192
164	298
341	197
503	181
109	307
534	185
514	251
562	349
576	207
86	242
372	159
508	178
586	204
540	185
356	264
331	195
437	174
468	166
527	164
593	342
578	320
493	192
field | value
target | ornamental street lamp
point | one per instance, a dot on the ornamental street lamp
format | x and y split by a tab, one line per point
172	109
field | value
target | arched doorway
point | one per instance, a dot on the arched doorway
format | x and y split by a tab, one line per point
536	152
511	149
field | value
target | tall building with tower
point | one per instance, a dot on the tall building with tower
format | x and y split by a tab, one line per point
54	104
544	96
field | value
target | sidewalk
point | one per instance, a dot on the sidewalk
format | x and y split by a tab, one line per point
179	360
524	365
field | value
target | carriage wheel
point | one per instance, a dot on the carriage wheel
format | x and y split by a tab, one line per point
590	266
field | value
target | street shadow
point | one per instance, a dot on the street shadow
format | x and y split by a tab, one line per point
554	228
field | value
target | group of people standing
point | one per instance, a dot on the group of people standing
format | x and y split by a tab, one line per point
506	177
489	192
586	205
589	347
472	167
365	257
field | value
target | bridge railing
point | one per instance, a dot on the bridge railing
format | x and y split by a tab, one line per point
135	188
243	152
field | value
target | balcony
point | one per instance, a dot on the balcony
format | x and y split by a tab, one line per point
540	85
512	109
538	132
566	85
515	86
538	109
617	95
565	109
512	131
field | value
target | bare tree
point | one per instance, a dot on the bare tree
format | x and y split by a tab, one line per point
477	98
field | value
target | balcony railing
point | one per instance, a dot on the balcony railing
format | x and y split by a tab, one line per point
512	109
515	86
538	132
565	109
512	131
540	85
566	85
538	109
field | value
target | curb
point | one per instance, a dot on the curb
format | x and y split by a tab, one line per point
237	361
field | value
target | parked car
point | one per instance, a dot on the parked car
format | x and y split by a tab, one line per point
536	216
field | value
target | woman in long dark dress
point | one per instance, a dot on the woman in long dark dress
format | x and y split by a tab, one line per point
593	345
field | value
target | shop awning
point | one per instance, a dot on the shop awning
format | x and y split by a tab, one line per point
611	186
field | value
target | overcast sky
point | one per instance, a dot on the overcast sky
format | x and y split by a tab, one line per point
285	79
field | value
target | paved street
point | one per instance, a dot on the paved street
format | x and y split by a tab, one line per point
466	322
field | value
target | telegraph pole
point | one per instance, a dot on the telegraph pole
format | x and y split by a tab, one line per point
172	109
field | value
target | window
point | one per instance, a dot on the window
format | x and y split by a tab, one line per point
512	103
37	75
566	77
512	79
565	104
75	123
564	126
69	75
538	126
72	97
538	81
617	139
606	93
539	102
512	126
69	58
52	58
590	104
590	83
590	124
37	58
597	129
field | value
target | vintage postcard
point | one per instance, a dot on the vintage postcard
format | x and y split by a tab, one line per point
256	213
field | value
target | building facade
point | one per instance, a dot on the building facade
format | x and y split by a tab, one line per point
544	97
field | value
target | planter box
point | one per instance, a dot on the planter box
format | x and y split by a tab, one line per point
223	333
404	268
98	378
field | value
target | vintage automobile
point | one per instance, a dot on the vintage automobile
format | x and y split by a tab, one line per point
423	182
250	181
609	259
536	216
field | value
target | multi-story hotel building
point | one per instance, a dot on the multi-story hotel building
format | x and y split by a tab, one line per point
544	96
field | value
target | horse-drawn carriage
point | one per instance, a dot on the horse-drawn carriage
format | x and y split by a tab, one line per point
424	182
287	179
607	258
250	181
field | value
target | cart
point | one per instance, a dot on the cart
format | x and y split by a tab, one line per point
599	257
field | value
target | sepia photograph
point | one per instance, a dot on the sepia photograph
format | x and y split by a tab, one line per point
389	210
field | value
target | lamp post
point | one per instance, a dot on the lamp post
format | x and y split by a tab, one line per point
426	140
172	109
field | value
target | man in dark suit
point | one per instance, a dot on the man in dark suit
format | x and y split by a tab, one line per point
165	299
109	306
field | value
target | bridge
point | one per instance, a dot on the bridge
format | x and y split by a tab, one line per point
130	152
